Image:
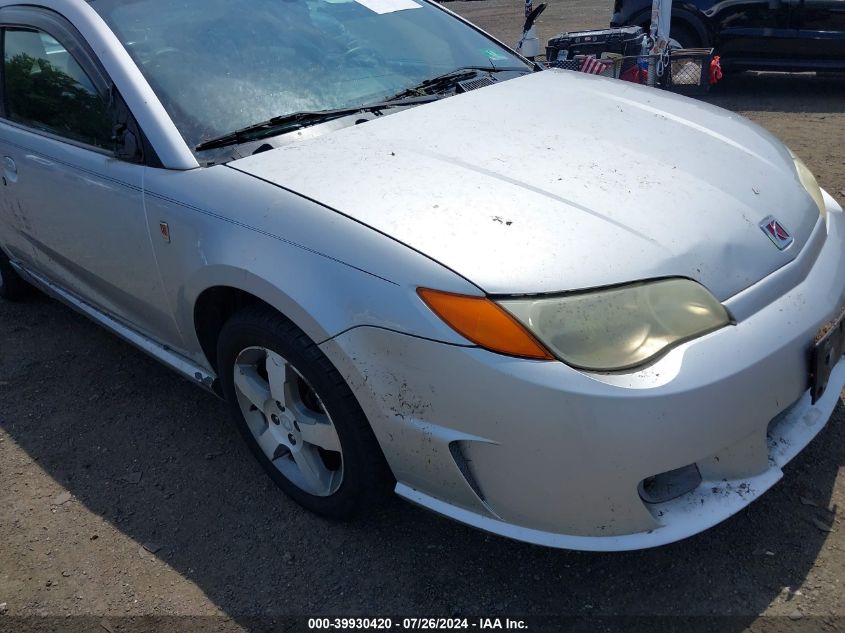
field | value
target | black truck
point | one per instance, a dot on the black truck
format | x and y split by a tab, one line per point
792	35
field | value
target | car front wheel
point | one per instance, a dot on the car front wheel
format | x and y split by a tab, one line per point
299	416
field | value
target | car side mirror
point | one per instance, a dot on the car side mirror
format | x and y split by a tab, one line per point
125	132
125	143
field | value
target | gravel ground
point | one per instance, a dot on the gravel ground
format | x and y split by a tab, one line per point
125	491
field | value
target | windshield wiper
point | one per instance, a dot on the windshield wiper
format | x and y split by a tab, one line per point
298	120
444	82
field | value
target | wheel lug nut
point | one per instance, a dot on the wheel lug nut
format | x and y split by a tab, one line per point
274	418
291	439
296	425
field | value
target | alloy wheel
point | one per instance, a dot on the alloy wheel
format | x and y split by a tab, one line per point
288	421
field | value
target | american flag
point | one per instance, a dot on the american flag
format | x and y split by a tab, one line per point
568	64
595	66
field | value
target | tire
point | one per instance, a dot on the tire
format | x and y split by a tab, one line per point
684	34
294	432
12	287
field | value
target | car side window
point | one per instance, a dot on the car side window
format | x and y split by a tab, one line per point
47	89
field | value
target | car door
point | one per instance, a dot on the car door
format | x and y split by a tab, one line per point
823	31
756	30
75	207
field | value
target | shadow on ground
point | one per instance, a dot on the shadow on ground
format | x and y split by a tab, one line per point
780	92
91	410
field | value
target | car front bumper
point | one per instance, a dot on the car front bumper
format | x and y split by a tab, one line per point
543	453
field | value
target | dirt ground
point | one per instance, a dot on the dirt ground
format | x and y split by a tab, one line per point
124	490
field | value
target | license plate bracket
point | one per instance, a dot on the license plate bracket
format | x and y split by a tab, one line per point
827	351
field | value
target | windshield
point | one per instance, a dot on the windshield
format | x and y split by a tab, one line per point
222	65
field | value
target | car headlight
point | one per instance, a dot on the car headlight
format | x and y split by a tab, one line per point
810	183
622	327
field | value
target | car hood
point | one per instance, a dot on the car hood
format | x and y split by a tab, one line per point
560	181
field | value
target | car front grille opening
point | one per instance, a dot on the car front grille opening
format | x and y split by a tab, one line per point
463	464
669	485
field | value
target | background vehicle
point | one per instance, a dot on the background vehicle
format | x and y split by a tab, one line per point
754	34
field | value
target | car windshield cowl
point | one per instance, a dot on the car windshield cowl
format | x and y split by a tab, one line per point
298	120
450	80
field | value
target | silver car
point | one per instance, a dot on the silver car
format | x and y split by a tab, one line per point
561	308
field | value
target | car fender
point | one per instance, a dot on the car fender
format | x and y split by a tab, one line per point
326	272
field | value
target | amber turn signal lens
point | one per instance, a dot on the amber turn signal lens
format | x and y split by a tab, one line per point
485	323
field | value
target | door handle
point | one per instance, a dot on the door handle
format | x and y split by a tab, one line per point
10	170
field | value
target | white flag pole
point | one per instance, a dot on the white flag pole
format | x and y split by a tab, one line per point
661	24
